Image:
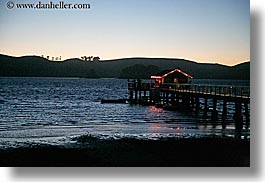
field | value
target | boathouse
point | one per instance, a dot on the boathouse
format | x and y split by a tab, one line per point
172	76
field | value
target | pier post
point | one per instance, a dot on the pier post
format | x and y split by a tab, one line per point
238	115
172	100
156	96
192	102
205	110
177	100
151	99
135	96
224	113
185	102
197	105
247	115
131	95
167	97
214	115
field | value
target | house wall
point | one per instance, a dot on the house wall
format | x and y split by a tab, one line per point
176	78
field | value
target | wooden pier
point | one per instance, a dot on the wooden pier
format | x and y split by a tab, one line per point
195	98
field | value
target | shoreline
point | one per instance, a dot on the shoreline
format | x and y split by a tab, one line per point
89	151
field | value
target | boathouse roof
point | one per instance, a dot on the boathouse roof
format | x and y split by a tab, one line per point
165	73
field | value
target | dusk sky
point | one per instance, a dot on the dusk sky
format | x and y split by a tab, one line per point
214	31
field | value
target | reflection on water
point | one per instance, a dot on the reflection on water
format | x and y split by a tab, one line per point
53	110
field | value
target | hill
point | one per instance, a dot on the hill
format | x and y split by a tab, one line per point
41	67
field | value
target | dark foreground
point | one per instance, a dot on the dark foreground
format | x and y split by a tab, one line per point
90	151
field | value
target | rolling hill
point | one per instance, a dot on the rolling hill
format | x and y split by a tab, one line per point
41	67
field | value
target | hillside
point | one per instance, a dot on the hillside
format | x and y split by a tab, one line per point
41	67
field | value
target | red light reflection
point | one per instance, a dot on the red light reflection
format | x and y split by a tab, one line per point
155	109
177	128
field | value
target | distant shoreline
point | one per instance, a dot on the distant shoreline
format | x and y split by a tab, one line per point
101	78
142	68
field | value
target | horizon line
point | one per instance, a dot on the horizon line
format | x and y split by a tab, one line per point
113	59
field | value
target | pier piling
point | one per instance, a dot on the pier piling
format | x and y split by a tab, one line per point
205	109
214	115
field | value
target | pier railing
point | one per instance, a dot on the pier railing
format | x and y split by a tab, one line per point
220	90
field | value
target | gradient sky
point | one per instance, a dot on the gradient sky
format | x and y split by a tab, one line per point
214	31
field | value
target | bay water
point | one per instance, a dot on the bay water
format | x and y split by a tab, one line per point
55	110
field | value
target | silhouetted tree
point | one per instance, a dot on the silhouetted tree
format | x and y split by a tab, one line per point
90	58
85	58
96	58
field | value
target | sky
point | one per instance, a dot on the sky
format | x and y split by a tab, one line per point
206	31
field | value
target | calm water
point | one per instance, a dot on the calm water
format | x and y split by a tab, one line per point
54	110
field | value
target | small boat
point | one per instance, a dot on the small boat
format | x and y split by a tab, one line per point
114	101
